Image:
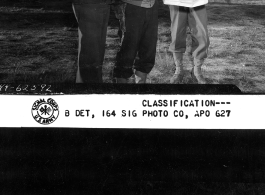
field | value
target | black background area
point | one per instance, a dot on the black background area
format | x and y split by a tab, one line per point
124	161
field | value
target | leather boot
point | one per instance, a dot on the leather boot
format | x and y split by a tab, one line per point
140	77
178	75
196	72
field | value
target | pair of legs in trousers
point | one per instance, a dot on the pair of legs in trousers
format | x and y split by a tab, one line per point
196	20
92	29
140	37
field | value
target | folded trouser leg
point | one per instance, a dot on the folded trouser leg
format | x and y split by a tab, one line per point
179	23
92	28
148	42
140	37
200	40
126	56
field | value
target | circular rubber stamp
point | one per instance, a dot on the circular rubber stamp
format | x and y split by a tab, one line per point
45	112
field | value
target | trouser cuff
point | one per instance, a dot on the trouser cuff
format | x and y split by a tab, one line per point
122	73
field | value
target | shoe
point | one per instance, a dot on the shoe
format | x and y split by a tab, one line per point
196	74
140	77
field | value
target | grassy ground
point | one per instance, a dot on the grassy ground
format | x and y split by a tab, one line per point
39	44
236	53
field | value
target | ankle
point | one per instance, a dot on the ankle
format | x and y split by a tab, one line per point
178	58
197	75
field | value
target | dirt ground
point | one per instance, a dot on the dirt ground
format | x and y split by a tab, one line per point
39	44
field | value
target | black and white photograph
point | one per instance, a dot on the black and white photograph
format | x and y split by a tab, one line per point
132	97
134	41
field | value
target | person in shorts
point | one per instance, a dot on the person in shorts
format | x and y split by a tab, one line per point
190	14
140	39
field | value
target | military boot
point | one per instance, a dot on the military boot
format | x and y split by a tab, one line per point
196	72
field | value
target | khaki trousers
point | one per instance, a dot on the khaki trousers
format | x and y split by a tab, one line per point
196	20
